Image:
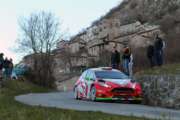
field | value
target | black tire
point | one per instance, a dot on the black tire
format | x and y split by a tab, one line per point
137	102
76	95
93	94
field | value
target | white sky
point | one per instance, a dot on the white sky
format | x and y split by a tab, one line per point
75	14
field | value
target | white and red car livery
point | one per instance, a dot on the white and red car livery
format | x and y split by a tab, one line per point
106	84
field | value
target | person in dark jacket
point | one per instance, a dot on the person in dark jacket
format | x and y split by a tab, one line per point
11	66
1	64
6	66
150	55
115	58
158	51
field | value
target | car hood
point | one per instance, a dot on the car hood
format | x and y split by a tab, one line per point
122	82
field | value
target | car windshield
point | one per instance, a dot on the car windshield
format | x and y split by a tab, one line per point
110	75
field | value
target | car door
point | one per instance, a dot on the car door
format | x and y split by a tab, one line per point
82	84
89	81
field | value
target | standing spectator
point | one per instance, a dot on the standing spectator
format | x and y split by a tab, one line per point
1	64
159	47
130	66
10	66
126	59
6	67
115	58
150	55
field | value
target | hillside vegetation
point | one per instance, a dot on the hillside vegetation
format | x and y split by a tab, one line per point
144	10
170	69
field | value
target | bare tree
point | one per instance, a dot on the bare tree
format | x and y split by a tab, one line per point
39	36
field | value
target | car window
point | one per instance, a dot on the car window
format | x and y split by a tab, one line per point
87	75
90	75
84	74
111	75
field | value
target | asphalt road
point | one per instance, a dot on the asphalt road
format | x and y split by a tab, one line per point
66	101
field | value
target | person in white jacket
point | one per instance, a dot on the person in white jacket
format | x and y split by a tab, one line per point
131	66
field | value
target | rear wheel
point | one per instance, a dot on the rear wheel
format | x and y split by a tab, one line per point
93	94
76	94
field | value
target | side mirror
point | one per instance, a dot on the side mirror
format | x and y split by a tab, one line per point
91	79
86	78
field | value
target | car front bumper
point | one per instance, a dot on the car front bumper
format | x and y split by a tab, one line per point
120	99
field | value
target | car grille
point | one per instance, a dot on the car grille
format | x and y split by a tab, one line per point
123	90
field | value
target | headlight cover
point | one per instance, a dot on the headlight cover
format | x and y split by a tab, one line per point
103	84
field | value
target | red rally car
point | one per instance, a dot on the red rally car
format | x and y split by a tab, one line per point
106	84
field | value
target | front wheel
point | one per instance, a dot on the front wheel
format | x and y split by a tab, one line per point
137	102
93	94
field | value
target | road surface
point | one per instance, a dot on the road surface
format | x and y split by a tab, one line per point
65	100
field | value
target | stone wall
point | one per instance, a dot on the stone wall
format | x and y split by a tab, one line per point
161	90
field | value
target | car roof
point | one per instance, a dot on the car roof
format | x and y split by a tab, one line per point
103	69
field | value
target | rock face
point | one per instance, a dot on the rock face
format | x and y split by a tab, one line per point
161	90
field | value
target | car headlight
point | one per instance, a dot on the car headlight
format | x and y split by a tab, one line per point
138	89
104	85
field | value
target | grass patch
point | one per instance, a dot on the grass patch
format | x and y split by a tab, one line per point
12	110
171	69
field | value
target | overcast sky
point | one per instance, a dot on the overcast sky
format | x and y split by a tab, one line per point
75	14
